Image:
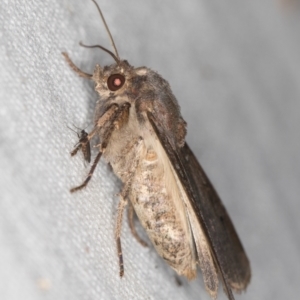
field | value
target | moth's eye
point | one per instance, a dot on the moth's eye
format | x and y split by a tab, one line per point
115	82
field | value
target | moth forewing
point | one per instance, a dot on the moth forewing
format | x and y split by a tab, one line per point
142	136
225	247
204	255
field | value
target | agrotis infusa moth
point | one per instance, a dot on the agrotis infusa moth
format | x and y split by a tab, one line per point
142	135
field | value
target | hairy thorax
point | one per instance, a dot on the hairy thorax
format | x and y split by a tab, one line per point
139	160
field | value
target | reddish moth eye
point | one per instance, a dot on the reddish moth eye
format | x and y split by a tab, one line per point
115	82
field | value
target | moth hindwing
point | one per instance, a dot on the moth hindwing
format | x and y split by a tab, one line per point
142	136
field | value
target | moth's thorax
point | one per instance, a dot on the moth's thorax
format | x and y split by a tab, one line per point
144	89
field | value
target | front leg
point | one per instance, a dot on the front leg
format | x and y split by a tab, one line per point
108	122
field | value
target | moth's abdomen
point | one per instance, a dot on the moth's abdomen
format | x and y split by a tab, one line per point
159	210
145	168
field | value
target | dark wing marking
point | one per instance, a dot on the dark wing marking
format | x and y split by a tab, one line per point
227	250
234	260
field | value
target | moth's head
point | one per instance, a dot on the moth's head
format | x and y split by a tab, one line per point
112	79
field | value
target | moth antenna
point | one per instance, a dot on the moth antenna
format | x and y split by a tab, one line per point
107	29
104	49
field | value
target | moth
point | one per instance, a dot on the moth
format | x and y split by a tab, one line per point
142	136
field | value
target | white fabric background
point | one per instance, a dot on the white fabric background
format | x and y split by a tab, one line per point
235	69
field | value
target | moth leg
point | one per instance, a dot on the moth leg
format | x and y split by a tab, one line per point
75	68
130	215
119	119
106	117
121	207
88	178
106	120
108	123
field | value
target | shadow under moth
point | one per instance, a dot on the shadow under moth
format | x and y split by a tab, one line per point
142	136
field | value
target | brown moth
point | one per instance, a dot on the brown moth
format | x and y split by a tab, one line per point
142	135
